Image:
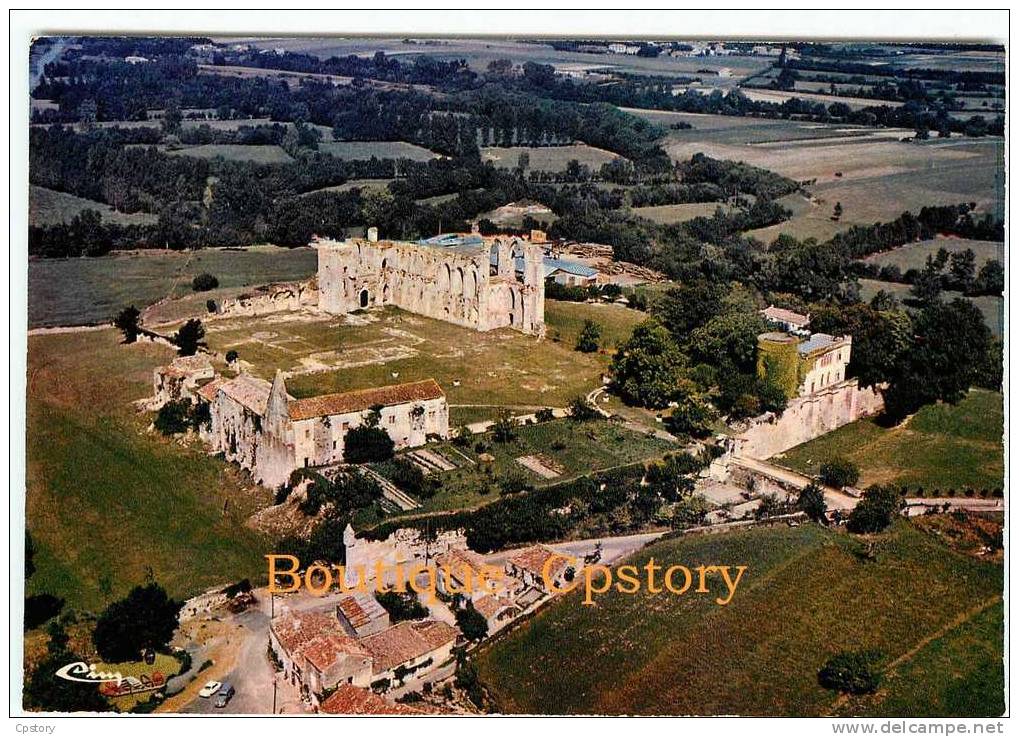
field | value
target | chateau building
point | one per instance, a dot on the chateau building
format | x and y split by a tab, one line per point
463	279
262	428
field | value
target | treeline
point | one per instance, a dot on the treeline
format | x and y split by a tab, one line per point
873	70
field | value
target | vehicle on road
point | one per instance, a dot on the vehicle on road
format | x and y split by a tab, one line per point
209	689
226	692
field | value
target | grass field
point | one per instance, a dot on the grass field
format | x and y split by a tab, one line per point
366	184
940	447
235	152
993	308
83	291
106	500
377	149
565	320
388	346
808	594
49	207
574	448
666	214
548	158
914	255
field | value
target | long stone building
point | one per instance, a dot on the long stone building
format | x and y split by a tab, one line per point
262	428
463	279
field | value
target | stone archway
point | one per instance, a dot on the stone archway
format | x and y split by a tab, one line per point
363	298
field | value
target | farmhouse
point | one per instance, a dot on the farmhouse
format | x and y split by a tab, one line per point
792	322
463	279
529	565
316	652
262	428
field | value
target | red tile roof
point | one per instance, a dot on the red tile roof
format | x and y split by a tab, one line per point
323	651
360	608
295	629
348	699
407	641
533	559
208	391
364	399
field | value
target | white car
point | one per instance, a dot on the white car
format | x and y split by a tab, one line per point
209	689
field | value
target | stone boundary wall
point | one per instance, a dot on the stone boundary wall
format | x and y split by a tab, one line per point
806	418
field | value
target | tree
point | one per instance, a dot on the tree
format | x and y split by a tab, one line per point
367	444
963	268
40	608
880	337
126	322
648	367
189	338
523	161
852	672
472	623
172	119
692	416
839	472
949	346
811	502
589	337
503	431
231	356
581	410
837	212
145	618
929	282
204	282
401	606
875	511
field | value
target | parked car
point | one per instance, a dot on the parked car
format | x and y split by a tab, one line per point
210	689
226	692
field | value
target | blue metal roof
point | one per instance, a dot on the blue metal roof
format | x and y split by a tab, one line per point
452	240
816	341
551	265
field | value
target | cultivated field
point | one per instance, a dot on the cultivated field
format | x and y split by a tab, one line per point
808	593
357	150
993	308
914	255
666	214
106	499
548	158
49	207
235	152
365	184
85	291
780	96
940	447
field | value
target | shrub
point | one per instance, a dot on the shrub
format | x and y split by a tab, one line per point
811	502
231	356
839	472
875	511
407	476
210	306
40	608
852	672
581	410
127	323
204	282
589	337
544	415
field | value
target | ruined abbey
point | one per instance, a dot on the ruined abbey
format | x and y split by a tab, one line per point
467	280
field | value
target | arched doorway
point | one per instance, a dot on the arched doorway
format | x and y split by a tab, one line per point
363	298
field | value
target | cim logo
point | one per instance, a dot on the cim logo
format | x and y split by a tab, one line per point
85	673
